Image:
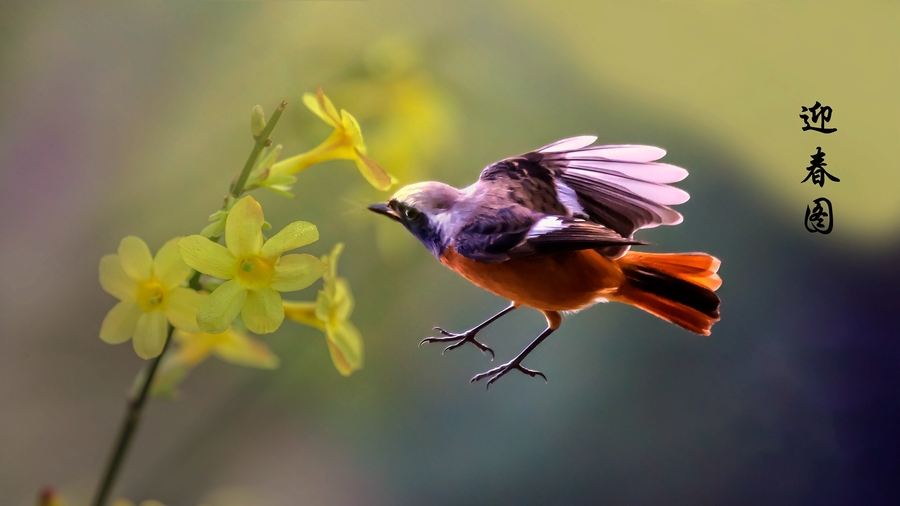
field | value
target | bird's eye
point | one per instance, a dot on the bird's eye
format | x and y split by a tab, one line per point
410	213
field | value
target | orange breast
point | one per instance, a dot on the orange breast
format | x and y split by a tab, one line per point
558	282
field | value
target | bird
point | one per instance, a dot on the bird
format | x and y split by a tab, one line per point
553	230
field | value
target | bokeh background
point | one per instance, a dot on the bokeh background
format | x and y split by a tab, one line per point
126	118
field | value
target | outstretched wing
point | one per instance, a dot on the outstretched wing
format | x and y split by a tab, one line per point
570	196
620	186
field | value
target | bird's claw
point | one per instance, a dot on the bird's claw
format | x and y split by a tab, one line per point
458	340
495	373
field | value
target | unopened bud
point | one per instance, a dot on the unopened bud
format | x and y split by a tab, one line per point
257	121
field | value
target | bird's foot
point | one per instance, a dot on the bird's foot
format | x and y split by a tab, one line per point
495	373
458	340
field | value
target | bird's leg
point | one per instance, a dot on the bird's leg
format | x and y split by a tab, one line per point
467	336
553	321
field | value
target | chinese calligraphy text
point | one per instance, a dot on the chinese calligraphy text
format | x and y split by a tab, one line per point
820	218
820	114
817	169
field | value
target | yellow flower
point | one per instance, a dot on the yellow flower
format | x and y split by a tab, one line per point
330	313
149	294
193	348
345	143
231	346
255	268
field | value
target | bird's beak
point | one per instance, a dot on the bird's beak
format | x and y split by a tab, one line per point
382	208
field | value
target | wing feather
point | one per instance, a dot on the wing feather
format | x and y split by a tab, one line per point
622	153
618	208
651	171
620	186
569	144
652	192
569	196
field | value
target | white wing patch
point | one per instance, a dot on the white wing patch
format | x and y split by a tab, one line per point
568	198
546	225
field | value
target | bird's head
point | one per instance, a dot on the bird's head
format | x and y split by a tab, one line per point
425	209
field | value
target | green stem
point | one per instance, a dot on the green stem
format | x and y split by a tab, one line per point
262	141
129	427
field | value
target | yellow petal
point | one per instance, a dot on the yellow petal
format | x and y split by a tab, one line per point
150	334
295	235
338	146
343	299
135	257
331	274
332	260
351	127
322	107
123	502
221	307
291	165
340	363
374	174
120	321
168	266
323	306
194	347
243	350
114	280
345	345
207	257
182	306
296	272
263	312
302	312
243	228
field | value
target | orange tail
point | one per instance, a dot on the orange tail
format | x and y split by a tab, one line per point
677	287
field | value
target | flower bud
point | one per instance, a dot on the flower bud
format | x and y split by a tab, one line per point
257	121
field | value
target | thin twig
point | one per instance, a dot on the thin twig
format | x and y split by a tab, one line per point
262	141
129	426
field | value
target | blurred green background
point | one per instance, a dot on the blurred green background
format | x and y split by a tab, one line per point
124	118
